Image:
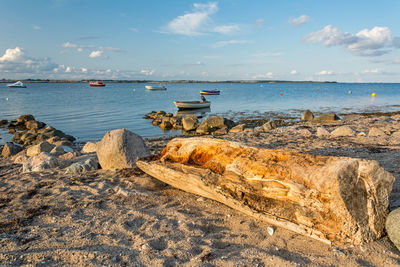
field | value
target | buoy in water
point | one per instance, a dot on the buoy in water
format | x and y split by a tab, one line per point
373	94
281	93
350	92
317	89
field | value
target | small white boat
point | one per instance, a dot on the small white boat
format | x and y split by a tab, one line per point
151	87
18	84
192	104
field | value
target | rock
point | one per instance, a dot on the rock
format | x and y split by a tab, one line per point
220	131
63	143
343	131
3	122
304	132
20	158
307	116
120	148
32	124
40	162
322	132
84	166
211	124
25	118
69	155
238	128
393	227
268	126
327	117
10	149
166	124
190	122
37	149
332	199
89	147
53	139
376	132
59	150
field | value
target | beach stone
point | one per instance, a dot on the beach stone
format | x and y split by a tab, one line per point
343	131
89	147
305	132
120	148
220	131
69	155
53	139
393	227
211	124
307	116
40	162
10	149
63	143
238	128
268	126
25	118
59	150
322	132
3	122
176	122
376	132
190	122
166	123
32	124
327	117
20	157
37	149
396	134
78	167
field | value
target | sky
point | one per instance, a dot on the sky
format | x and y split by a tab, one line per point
344	41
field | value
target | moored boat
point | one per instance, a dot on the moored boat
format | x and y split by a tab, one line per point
151	87
96	84
209	92
18	84
192	104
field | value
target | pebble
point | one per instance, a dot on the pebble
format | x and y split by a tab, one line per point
229	215
270	230
338	252
201	199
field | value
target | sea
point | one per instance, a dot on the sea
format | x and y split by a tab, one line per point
89	112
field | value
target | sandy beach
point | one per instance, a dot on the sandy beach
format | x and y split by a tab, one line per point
127	218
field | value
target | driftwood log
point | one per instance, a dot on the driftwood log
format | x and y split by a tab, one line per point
332	199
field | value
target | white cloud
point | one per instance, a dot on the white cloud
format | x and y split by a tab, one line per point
193	23
36	27
95	54
325	72
84	70
297	22
231	42
293	72
199	22
374	42
226	29
260	22
133	29
68	69
147	72
14	60
267	75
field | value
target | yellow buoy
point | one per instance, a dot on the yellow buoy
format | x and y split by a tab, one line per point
373	94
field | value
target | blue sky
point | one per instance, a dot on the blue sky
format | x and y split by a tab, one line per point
345	41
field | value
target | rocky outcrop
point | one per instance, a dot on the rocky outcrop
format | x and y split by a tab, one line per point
120	149
190	122
393	227
307	116
332	199
40	162
10	149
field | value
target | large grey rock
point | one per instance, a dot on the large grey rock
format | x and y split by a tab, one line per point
343	131
89	147
120	148
39	148
190	122
393	227
89	164
40	162
10	149
307	116
211	124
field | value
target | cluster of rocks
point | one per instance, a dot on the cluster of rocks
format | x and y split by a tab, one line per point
190	124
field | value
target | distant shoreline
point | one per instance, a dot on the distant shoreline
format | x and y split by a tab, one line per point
151	81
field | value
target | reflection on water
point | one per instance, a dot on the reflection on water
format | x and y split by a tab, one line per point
200	112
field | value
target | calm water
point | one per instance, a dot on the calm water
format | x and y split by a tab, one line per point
88	112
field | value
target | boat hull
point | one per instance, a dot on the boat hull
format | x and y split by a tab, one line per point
149	87
16	86
191	104
97	85
212	92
